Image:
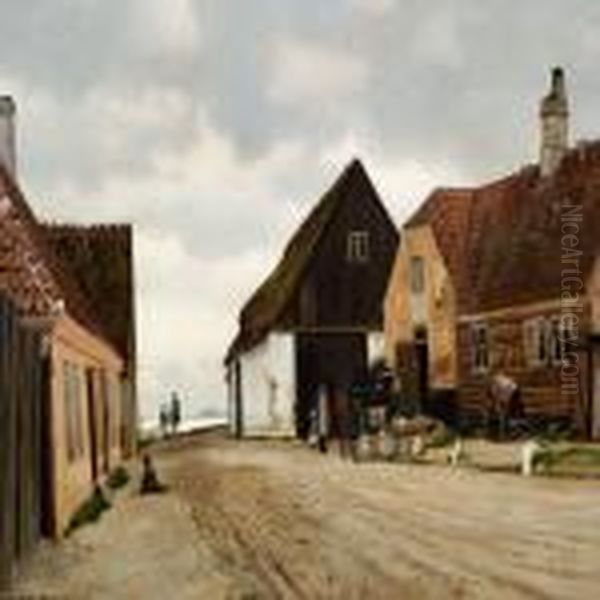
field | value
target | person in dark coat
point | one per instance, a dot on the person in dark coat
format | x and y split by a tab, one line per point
175	412
150	482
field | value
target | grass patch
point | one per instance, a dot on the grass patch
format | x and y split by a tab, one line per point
89	511
117	478
583	459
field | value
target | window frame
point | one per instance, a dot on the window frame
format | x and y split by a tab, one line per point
417	275
358	246
72	396
546	341
480	347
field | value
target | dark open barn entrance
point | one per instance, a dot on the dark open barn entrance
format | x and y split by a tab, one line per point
334	359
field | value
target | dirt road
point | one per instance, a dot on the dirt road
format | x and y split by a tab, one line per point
275	520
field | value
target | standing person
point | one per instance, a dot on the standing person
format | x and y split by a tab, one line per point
175	412
322	418
163	420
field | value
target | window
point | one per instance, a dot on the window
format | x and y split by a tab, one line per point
542	341
530	341
417	274
547	341
555	340
480	345
115	413
358	246
73	414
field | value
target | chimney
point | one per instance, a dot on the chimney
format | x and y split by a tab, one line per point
554	123
8	151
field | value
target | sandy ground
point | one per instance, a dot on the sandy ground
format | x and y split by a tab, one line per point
276	520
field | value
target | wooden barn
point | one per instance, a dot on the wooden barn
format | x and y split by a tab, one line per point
317	318
502	279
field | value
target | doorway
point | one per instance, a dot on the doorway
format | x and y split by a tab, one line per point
337	360
47	509
422	369
92	421
237	399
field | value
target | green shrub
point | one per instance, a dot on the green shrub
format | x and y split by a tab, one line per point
90	510
118	478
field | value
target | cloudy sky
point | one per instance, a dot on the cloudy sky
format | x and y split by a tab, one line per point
214	125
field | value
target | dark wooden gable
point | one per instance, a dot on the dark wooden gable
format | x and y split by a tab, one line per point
313	285
336	290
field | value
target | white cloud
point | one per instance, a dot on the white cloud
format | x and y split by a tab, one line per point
159	26
436	38
312	72
373	7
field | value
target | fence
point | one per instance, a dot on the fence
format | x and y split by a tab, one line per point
21	398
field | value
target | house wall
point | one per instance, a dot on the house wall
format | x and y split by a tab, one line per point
541	385
72	476
101	259
268	387
435	308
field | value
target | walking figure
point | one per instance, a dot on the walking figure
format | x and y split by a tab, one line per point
163	420
175	412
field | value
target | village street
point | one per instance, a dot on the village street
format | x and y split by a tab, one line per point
276	520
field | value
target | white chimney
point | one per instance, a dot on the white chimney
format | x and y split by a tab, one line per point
554	122
8	147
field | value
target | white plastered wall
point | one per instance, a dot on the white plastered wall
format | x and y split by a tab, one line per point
268	385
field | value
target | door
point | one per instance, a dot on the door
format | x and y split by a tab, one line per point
92	421
422	370
237	398
47	510
103	423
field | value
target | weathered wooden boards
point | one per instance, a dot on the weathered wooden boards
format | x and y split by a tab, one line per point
21	394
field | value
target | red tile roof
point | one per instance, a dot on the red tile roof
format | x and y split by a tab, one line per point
34	278
100	258
502	242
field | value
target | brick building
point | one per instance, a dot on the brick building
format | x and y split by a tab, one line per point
503	279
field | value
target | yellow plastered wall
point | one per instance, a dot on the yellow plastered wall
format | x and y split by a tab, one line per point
436	309
72	478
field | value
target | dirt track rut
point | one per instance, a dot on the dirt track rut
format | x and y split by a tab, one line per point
288	523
